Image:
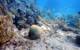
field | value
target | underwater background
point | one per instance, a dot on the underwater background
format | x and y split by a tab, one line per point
60	6
39	24
62	9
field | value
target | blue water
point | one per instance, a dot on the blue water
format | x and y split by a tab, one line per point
62	6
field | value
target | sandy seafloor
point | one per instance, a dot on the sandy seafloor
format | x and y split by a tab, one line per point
53	39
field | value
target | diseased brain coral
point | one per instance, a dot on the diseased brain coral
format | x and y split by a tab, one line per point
6	29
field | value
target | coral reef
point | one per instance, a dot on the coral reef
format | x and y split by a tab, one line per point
23	12
53	39
24	27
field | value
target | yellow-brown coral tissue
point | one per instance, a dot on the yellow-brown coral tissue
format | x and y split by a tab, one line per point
6	29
